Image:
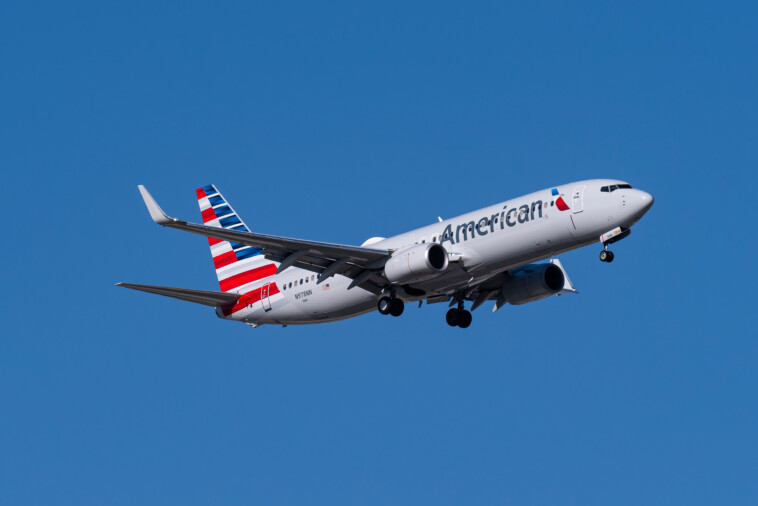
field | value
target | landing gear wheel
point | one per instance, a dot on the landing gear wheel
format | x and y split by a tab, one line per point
385	303
610	257
606	256
452	317
458	318
464	318
396	307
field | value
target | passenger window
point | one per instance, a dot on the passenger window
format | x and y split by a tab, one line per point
552	203
290	284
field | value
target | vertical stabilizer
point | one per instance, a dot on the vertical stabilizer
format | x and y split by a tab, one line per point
237	265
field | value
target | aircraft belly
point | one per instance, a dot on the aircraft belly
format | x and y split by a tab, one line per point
282	313
341	314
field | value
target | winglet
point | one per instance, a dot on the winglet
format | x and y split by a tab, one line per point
156	213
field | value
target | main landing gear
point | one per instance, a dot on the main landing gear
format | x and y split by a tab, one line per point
458	317
391	306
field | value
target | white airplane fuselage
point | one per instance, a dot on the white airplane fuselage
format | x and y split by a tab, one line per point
479	244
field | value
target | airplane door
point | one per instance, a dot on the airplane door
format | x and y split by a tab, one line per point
264	297
578	199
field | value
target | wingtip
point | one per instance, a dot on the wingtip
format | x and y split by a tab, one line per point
156	213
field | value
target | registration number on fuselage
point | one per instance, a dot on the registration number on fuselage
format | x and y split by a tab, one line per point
303	296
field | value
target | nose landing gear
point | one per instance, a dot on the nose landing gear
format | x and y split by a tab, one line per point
391	306
609	238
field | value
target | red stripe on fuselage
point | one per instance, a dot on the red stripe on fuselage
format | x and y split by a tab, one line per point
208	215
246	277
224	259
250	297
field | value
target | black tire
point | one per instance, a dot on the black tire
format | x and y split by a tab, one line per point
396	307
604	256
464	319
452	317
610	257
384	305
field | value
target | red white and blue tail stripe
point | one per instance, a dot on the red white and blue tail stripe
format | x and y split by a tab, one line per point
238	266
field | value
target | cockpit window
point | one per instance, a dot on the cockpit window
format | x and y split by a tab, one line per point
615	187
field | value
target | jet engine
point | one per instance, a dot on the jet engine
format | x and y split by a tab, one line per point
533	282
417	263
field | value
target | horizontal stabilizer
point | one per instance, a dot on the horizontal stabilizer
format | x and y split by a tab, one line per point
205	297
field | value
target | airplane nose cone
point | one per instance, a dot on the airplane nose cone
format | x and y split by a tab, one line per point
636	203
646	201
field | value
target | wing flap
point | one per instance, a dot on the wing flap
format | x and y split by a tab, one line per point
204	297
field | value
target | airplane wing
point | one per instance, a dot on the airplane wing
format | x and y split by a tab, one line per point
197	296
491	289
363	265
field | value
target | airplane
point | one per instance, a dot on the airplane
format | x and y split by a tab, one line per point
492	254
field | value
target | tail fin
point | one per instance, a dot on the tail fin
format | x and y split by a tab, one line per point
237	265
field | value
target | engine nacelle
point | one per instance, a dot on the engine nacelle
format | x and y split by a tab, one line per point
417	263
533	282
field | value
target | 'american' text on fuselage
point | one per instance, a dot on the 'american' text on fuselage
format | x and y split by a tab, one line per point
485	225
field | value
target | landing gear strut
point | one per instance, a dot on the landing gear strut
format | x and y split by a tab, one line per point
609	238
391	306
458	317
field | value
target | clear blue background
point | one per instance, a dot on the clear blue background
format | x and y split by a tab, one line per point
337	122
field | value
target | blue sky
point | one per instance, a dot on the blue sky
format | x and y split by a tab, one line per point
340	122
